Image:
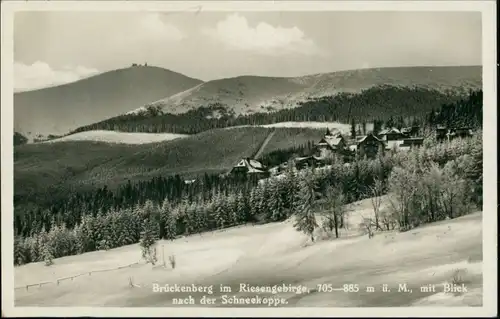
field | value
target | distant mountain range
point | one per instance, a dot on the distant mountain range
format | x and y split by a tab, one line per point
134	90
59	109
250	94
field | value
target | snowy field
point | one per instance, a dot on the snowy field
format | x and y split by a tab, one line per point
343	128
273	254
118	137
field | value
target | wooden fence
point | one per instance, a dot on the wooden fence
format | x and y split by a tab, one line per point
40	284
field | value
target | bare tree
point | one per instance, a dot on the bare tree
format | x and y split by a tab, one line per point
388	220
367	225
335	211
403	187
376	200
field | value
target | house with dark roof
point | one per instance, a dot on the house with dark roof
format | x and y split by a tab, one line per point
441	133
369	146
461	132
445	133
309	161
413	142
412	131
249	167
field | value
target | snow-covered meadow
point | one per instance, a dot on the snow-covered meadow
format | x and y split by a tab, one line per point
118	137
273	254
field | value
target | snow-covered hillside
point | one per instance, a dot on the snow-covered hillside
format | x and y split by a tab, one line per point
118	137
276	254
343	128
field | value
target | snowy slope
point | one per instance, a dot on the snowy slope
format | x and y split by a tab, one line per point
275	254
118	137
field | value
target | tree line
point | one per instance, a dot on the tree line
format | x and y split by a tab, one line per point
283	155
380	103
71	209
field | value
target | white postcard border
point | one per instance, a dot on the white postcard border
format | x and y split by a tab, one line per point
488	9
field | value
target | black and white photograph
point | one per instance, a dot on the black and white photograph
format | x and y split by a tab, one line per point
248	158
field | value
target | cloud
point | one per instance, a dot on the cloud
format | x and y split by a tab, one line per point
40	75
152	26
237	34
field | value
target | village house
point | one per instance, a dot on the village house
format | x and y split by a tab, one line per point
369	146
390	134
403	139
309	161
412	142
461	132
330	144
441	133
409	132
250	168
444	133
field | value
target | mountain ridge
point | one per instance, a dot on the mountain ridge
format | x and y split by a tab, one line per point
58	109
133	90
249	93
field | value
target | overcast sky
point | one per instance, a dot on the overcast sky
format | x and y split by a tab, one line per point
57	47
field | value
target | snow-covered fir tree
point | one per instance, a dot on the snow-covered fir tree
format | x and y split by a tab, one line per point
169	221
149	236
231	209
292	189
241	208
275	203
305	218
253	201
219	212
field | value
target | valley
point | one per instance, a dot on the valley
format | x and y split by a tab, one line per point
57	166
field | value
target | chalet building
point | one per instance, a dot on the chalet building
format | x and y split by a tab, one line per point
404	144
250	168
390	134
409	132
393	145
331	143
369	146
309	161
461	132
413	142
443	133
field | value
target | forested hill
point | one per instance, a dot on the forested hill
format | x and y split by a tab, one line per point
377	103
